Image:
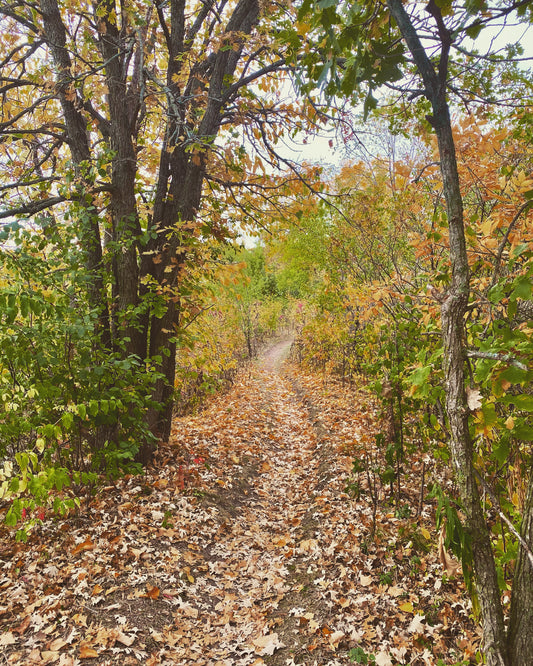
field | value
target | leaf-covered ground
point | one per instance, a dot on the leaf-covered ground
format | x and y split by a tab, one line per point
241	546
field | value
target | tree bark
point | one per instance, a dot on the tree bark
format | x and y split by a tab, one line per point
123	108
55	36
180	181
520	633
453	312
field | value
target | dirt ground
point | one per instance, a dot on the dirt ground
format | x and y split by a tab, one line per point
242	546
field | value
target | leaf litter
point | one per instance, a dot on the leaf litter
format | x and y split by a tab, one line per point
241	546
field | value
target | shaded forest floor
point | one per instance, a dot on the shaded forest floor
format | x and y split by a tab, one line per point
241	546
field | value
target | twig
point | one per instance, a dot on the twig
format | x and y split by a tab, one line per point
509	524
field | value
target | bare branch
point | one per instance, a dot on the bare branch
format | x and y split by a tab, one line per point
494	356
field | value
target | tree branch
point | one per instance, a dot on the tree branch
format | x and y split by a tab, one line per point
526	206
494	356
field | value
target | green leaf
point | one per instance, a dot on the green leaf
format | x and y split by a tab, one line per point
370	103
514	375
501	451
522	288
523	401
67	419
523	432
420	375
473	30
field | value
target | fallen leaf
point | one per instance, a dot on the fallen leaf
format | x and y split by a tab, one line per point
57	644
383	659
87	652
425	533
407	607
125	639
308	545
86	545
152	592
7	638
335	638
23	626
416	625
267	644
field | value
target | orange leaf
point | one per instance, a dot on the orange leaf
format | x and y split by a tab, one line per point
87	652
152	592
86	545
22	627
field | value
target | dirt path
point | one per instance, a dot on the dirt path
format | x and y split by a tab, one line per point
240	548
275	354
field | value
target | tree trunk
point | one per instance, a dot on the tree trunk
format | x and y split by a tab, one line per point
123	106
453	312
520	633
179	192
90	240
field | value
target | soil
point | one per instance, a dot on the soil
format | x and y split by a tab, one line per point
240	547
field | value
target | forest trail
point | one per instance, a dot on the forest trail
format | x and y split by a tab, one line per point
241	547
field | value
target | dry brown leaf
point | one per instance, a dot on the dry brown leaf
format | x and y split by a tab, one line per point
126	640
267	644
57	644
473	398
335	638
7	638
80	619
448	562
23	626
308	545
86	545
87	652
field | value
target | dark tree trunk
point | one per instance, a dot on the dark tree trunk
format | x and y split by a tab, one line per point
195	91
123	109
76	125
179	189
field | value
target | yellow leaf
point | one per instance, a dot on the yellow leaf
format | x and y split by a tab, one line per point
425	533
407	607
509	423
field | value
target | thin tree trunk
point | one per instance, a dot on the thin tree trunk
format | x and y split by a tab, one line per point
453	312
521	617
